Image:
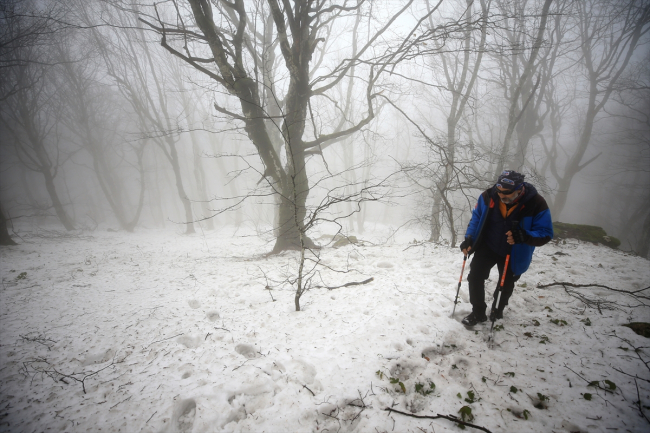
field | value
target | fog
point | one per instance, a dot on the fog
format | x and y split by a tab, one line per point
124	115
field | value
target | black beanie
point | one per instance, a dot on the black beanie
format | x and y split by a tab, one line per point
510	179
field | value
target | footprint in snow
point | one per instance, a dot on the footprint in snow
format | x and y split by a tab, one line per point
189	342
194	304
212	316
446	348
404	370
98	358
184	414
246	350
187	371
304	372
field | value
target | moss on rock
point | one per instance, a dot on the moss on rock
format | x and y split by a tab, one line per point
641	328
585	233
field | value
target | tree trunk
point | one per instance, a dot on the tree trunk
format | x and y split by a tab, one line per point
56	202
5	239
435	223
643	245
573	166
201	184
155	199
180	189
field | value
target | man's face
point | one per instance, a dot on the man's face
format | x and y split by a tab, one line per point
508	197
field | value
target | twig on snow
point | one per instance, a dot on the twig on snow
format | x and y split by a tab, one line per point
164	339
438	416
127	399
40	340
151	416
628	374
638	396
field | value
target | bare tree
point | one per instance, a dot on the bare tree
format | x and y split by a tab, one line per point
22	30
192	105
519	62
90	114
145	83
610	32
30	114
460	60
233	43
628	171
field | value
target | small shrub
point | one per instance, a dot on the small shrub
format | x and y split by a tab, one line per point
471	397
420	388
397	382
466	414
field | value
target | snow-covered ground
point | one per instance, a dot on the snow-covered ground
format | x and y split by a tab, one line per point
162	332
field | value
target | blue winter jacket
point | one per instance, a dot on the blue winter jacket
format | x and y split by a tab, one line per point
534	218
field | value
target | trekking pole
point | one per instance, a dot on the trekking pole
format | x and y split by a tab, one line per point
499	290
462	270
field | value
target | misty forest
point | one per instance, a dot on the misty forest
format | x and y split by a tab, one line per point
294	128
286	115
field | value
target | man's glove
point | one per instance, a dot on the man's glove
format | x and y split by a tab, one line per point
520	236
466	243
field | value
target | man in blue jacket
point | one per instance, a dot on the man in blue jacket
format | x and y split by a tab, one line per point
510	218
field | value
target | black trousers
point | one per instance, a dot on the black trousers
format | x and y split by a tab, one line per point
479	270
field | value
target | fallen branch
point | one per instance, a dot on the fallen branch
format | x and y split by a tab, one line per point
36	367
627	292
438	416
354	283
628	374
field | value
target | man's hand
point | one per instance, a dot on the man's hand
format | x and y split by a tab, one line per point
516	236
466	246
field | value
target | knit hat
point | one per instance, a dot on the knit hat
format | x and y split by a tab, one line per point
510	180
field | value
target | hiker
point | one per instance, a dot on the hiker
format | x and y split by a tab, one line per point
509	218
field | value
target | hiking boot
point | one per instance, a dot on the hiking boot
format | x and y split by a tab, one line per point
474	318
496	314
